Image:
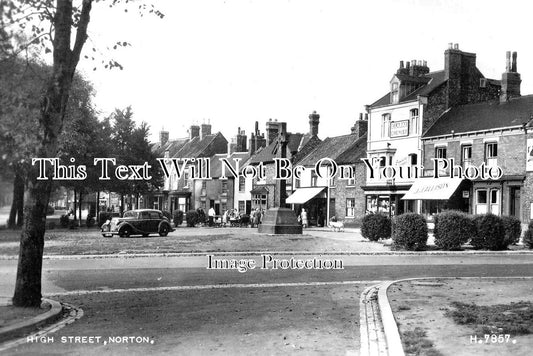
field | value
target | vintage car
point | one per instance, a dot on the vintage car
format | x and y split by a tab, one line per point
137	222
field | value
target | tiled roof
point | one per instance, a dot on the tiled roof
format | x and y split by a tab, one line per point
354	153
216	164
331	147
483	116
268	153
307	147
201	147
433	80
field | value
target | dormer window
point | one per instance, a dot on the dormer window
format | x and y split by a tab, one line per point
395	93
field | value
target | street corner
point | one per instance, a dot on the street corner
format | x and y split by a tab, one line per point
28	325
460	315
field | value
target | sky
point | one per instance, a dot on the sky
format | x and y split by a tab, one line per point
234	62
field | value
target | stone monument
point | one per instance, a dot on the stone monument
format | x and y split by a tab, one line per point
280	220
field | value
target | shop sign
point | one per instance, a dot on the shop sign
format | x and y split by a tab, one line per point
399	128
466	194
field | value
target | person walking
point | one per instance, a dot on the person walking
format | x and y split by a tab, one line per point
303	216
211	214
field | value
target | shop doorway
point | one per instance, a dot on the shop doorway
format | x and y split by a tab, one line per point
514	201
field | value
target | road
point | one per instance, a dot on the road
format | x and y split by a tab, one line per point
175	305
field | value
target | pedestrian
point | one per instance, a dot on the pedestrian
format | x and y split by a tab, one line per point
225	218
255	218
303	216
211	214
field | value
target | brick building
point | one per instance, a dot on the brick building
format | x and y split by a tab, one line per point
493	134
415	100
346	198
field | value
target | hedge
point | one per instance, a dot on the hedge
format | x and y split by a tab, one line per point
410	231
177	217
192	218
513	229
490	233
375	227
453	229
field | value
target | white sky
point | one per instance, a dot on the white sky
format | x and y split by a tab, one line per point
234	62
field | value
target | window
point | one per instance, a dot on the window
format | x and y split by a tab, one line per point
314	179
350	207
224	187
260	200
491	150
296	183
385	125
382	161
395	95
204	188
491	153
242	184
413	121
351	181
466	153
242	205
440	152
482	196
413	158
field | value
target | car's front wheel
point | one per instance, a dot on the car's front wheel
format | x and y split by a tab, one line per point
125	232
163	230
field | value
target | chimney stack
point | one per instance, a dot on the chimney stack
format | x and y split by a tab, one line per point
241	141
314	120
360	127
194	131
205	130
257	140
458	66
272	129
163	137
510	79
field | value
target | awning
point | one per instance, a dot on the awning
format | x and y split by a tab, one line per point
432	189
302	195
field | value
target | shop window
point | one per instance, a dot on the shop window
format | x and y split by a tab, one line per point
481	201
350	207
491	153
495	201
296	182
242	205
413	121
242	184
385	125
382	161
440	152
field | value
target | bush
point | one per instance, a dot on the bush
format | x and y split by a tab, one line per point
376	226
64	220
512	228
90	221
452	229
192	218
490	233
410	231
177	218
528	236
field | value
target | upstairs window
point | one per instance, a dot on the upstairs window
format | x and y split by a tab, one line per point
413	121
466	154
242	184
491	153
413	159
440	152
314	179
385	125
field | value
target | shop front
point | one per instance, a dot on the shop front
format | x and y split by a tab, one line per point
313	200
437	194
387	200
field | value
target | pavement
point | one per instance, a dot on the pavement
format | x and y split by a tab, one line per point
85	276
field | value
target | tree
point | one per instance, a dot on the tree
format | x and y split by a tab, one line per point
68	22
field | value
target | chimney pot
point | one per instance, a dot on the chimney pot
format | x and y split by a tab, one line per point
401	64
513	63
407	65
456	46
450	45
413	62
360	116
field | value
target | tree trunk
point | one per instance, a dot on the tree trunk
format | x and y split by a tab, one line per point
79	206
75	207
53	107
15	214
97	210
121	204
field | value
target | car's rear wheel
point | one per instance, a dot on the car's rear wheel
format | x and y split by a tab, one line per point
126	231
163	230
145	235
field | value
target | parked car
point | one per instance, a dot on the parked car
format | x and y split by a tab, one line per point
137	222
